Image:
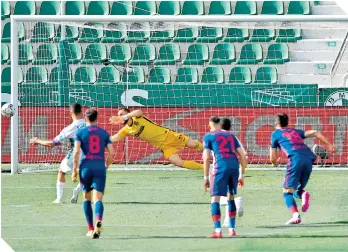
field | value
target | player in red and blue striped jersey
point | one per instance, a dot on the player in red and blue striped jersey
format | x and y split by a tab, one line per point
225	176
300	161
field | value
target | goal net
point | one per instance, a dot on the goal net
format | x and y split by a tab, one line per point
180	74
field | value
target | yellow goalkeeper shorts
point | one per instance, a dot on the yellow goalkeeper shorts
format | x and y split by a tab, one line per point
173	143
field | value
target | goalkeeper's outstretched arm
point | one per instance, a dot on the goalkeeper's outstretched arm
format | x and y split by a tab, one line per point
321	137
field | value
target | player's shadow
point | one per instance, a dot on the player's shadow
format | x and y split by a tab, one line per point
154	203
311	225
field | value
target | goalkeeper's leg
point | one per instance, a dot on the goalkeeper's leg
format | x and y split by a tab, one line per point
189	164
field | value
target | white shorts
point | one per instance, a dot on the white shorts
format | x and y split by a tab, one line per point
67	164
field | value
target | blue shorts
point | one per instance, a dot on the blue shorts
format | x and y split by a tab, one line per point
224	181
298	171
93	179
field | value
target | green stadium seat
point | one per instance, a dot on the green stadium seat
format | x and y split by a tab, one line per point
250	54
85	75
5	53
133	75
162	36
169	8
76	53
145	8
236	35
272	8
25	54
53	78
246	8
262	35
46	54
299	8
168	54
120	54
5	10
159	75
224	54
25	8
240	75
288	35
193	8
71	33
49	8
6	76
122	8
42	32
108	75
138	33
186	34
277	54
116	33
94	54
91	35
36	75
266	75
75	8
197	54
210	34
187	75
213	75
220	8
98	8
144	54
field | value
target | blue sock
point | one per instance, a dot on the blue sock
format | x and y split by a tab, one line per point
232	213
216	214
290	202
298	193
99	210
87	208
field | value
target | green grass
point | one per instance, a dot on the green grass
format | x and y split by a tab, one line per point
168	211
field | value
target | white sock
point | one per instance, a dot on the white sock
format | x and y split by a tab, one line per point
78	188
226	213
60	187
217	230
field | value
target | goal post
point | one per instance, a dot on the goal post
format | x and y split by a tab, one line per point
180	93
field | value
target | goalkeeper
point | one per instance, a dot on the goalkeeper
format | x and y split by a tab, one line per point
167	141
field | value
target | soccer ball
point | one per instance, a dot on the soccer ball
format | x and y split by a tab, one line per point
8	110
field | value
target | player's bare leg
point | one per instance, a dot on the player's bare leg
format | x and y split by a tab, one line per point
60	187
231	214
99	210
87	207
176	160
216	215
291	205
194	144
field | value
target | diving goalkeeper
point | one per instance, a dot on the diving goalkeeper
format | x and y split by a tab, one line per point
167	141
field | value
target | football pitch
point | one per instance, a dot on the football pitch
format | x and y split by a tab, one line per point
169	211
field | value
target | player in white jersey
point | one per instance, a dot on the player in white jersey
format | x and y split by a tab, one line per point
66	165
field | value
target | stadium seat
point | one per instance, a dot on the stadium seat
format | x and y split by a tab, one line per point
193	8
133	75
277	54
94	54
120	54
138	33
197	54
210	34
220	8
76	53
36	75
266	75
250	54
213	75
145	8
162	36
144	54
98	8
6	76
240	75
187	75
246	8
5	10
75	8
169	8
85	75
91	35
262	35
25	8
49	8
168	54
299	8
236	35
122	8
186	34
25	54
53	78
108	75
288	35
71	33
116	33
224	54
5	53
159	75
272	8
42	32
46	54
